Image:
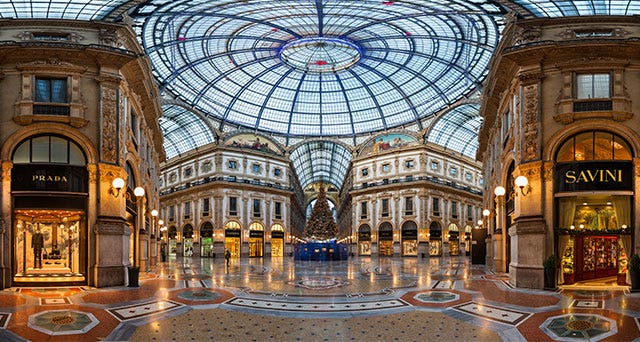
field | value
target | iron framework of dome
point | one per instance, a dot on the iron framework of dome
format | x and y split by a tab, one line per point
319	68
313	68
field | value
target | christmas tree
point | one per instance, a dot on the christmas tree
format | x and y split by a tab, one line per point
321	225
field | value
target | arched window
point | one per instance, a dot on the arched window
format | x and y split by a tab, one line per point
187	231
277	228
232	225
49	149
206	230
256	226
594	145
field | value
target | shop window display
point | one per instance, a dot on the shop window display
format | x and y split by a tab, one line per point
47	244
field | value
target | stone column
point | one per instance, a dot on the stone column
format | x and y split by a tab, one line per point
5	225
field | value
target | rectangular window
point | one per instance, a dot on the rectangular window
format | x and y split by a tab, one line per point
593	86
51	93
188	172
233	206
363	210
434	165
133	125
386	168
453	171
233	164
365	172
469	213
256	208
385	207
277	172
408	205
255	168
436	207
205	207
187	210
409	164
506	125
51	90
172	213
454	209
278	210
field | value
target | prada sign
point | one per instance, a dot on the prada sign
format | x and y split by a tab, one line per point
33	177
593	176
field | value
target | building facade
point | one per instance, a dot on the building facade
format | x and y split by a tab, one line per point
79	110
233	195
411	198
560	148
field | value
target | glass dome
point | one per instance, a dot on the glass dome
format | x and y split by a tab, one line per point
458	129
319	68
321	161
183	130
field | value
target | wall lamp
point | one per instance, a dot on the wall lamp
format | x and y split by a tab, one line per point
486	212
523	183
118	184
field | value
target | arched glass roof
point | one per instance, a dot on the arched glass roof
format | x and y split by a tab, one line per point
458	129
183	130
70	9
319	68
564	8
321	161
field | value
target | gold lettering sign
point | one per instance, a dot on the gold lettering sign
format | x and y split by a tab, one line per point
49	178
591	176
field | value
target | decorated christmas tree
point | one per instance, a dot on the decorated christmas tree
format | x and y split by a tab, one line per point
321	225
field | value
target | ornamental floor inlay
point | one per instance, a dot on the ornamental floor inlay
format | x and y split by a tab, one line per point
142	310
62	322
572	327
4	319
437	297
317	307
201	295
494	313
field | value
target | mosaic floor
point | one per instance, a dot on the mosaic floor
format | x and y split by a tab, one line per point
363	299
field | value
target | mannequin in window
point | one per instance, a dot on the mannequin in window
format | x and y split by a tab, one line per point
37	242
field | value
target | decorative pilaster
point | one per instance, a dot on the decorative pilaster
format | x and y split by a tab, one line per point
109	110
530	115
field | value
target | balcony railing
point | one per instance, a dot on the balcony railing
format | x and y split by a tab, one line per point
228	179
429	179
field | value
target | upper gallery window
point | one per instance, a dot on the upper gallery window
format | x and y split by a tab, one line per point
233	164
365	172
593	86
51	96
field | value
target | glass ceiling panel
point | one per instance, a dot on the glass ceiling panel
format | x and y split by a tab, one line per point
319	68
73	9
183	130
321	161
458	129
567	8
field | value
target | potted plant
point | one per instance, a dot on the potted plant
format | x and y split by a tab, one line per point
550	265
634	272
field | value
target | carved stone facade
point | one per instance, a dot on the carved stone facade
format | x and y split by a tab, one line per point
80	128
545	64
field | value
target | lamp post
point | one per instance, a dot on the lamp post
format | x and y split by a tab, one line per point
153	251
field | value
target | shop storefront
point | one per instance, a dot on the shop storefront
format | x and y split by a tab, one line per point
453	235
187	237
410	239
49	187
232	234
385	239
173	241
467	240
256	240
277	240
206	237
593	190
364	240
435	239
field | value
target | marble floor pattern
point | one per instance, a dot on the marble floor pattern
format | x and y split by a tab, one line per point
279	299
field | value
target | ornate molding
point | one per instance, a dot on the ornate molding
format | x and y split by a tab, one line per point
109	139
530	131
